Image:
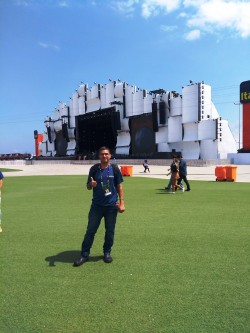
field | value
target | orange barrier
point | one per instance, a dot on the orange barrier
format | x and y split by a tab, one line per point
220	173
231	172
126	170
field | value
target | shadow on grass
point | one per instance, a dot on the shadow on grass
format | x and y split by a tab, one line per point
69	257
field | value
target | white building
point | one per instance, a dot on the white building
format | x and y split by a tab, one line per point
136	122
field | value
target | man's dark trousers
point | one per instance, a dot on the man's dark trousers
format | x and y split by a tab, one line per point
183	177
96	213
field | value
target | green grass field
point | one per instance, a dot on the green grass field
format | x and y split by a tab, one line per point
181	262
9	170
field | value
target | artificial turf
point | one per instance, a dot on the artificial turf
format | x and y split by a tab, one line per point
9	170
181	262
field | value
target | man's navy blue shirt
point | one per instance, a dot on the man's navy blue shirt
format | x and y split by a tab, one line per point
183	167
99	175
1	175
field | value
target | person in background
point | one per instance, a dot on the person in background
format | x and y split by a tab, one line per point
105	180
168	188
1	185
175	176
183	172
146	166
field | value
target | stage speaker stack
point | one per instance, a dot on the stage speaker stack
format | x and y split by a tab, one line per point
65	132
155	117
162	107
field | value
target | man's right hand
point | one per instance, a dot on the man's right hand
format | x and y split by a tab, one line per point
92	183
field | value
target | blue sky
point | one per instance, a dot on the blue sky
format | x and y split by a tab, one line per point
48	47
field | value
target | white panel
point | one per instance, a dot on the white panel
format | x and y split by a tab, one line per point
190	100
51	148
174	129
129	100
164	98
209	150
71	145
207	130
42	148
81	90
109	93
64	110
119	90
138	102
58	125
71	133
103	97
70	104
75	104
206	103
122	151
190	132
162	135
81	105
227	144
191	150
163	147
93	104
124	124
72	121
88	94
123	139
148	100
45	137
176	106
94	91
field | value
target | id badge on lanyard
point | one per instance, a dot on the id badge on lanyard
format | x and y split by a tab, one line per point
105	187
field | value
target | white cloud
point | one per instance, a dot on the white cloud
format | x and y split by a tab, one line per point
125	7
231	17
168	28
193	35
63	4
155	7
216	15
49	46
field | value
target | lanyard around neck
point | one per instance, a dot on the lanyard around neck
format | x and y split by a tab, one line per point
101	174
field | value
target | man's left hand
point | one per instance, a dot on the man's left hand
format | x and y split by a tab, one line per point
121	207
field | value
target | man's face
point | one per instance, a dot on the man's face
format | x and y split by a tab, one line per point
104	156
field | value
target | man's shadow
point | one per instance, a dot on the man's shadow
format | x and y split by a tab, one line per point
68	257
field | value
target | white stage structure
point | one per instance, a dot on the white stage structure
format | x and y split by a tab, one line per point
139	123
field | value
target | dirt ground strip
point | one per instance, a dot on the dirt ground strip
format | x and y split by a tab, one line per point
194	173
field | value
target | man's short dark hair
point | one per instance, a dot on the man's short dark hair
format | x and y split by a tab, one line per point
103	148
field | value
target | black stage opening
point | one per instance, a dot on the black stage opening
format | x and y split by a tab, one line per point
142	135
96	129
61	144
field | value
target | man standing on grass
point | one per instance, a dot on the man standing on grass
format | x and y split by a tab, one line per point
106	181
1	185
183	172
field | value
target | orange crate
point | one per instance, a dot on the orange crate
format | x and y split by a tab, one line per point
220	173
231	172
126	170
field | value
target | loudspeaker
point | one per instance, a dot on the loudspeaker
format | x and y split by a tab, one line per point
162	107
155	117
65	132
49	134
35	134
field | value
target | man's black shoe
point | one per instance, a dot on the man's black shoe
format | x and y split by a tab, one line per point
107	258
80	261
